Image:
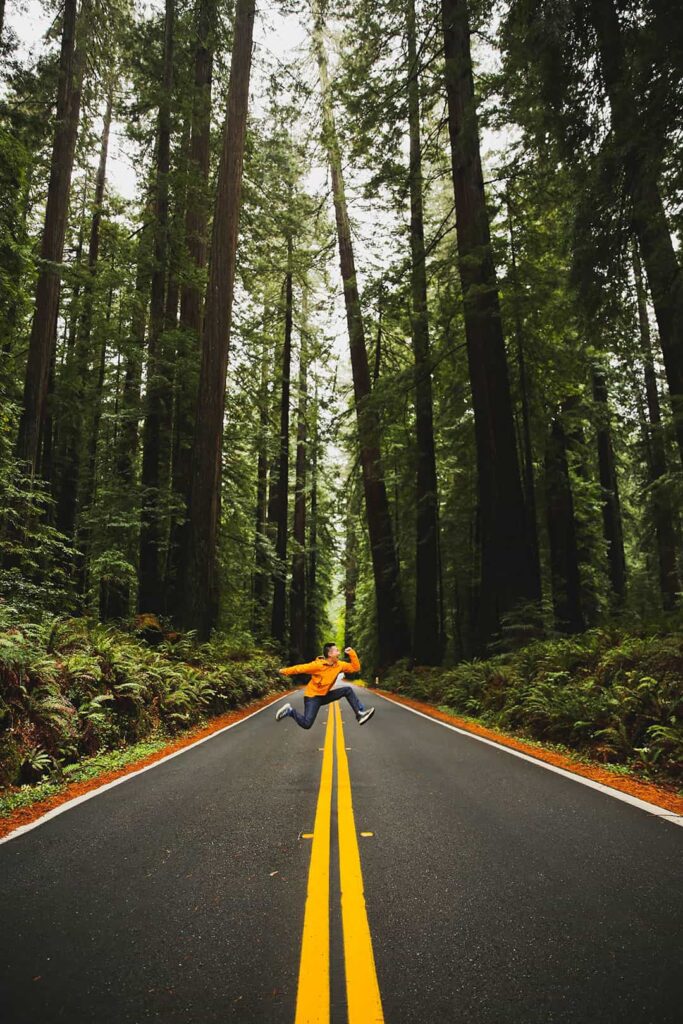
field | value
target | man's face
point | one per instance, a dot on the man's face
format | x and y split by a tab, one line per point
333	653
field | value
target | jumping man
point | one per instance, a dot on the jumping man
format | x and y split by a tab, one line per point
323	672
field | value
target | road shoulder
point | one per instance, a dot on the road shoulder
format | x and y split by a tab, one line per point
637	788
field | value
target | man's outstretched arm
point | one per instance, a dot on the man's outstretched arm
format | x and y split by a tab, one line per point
296	670
352	665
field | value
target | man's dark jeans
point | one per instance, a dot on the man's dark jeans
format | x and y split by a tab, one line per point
313	704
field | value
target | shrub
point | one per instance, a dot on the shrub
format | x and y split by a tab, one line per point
615	695
72	687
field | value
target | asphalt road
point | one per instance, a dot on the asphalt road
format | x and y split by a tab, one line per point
495	891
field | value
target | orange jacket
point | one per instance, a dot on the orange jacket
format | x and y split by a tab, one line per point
323	674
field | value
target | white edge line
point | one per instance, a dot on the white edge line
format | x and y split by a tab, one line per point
129	775
660	812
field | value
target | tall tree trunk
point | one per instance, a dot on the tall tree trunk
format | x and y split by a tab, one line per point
392	632
115	596
196	230
527	447
47	433
351	568
508	571
611	508
574	412
206	461
89	482
72	439
377	361
297	601
197	209
427	648
312	639
150	596
664	527
281	483
564	557
663	269
64	393
41	343
260	585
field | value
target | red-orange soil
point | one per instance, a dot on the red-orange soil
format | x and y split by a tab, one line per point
25	815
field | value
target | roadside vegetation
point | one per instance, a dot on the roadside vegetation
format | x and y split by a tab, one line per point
613	695
78	697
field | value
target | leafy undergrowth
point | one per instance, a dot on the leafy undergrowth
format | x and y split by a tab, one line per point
14	797
607	694
79	697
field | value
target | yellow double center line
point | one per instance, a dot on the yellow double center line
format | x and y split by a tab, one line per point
362	990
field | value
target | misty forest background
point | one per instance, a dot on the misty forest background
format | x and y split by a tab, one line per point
461	455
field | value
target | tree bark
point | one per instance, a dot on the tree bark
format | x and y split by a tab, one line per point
197	210
150	592
260	585
611	508
669	583
564	557
196	232
72	433
427	634
206	460
41	343
297	601
89	484
115	596
508	574
663	269
351	568
527	447
281	483
312	638
392	631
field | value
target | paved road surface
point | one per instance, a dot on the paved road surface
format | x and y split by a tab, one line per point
496	891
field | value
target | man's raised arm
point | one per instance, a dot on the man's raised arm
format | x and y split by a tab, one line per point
353	664
296	670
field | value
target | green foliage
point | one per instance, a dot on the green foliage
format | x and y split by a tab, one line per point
72	687
612	694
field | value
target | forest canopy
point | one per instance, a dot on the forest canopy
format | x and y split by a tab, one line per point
361	320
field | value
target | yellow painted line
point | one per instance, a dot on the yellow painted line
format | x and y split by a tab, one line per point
363	999
313	994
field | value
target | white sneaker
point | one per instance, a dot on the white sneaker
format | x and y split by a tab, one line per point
284	710
366	714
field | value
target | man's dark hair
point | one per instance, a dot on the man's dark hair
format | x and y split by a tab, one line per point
326	648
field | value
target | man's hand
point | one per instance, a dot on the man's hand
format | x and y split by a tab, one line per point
347	650
281	671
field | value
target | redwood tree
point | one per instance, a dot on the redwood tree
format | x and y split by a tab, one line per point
564	555
638	152
191	305
427	634
205	497
280	482
669	583
611	506
42	340
150	598
508	568
297	602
